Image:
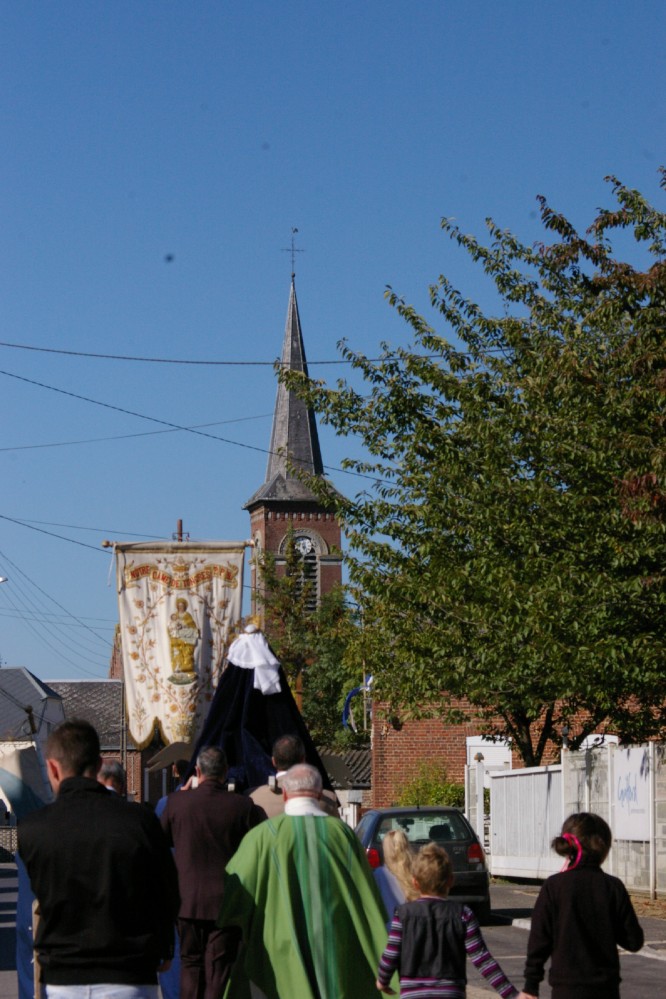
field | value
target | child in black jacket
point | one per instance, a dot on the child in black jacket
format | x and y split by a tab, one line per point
581	916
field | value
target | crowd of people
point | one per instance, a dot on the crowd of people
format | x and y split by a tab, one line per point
272	895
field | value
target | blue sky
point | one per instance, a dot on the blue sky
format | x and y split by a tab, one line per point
156	156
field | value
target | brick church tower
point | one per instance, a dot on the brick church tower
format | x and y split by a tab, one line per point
284	500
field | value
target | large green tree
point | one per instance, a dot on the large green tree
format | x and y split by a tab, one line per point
509	545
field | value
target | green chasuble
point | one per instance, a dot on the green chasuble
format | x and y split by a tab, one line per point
312	920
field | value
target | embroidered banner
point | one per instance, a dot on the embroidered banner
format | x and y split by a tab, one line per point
180	607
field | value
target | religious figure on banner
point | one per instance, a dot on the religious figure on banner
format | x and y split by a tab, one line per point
179	607
183	637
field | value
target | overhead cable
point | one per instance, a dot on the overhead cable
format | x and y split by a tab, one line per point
167	423
121	437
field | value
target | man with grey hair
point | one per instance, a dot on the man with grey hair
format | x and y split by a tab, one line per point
205	826
112	775
301	891
302	790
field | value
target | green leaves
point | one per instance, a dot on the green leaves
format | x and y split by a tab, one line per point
512	552
311	644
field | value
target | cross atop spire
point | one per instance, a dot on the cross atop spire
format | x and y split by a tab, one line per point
293	250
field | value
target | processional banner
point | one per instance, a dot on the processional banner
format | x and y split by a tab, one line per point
180	606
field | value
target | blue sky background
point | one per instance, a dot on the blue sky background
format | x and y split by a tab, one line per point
137	131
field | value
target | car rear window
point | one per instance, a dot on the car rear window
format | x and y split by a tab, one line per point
421	827
363	824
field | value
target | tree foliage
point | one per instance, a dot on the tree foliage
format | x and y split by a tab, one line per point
431	786
509	548
311	645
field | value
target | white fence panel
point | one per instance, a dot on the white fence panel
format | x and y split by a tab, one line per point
627	786
525	815
624	784
473	777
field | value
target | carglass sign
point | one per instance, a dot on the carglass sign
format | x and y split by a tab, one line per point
632	793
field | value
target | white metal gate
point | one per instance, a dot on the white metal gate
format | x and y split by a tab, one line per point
624	784
525	815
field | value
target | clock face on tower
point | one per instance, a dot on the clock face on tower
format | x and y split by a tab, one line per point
303	545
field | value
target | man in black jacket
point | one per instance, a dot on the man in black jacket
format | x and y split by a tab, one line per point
103	875
205	826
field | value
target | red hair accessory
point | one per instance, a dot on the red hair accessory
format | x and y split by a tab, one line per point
575	842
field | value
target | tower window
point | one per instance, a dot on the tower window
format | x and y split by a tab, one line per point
309	569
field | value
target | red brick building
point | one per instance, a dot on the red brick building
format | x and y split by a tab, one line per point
398	754
400	750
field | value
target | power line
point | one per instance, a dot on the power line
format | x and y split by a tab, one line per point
48	596
73	541
215	363
121	437
51	534
50	617
166	423
96	530
47	632
127	412
165	360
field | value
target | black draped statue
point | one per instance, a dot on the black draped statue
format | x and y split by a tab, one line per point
252	707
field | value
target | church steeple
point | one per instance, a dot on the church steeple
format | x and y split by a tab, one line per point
284	503
294	431
294	425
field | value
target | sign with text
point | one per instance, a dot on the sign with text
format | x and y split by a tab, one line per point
631	793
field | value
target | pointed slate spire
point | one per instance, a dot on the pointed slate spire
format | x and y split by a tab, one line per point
294	426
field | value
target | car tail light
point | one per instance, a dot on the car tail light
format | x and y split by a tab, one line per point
373	857
475	854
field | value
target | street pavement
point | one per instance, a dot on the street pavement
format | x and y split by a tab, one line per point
643	974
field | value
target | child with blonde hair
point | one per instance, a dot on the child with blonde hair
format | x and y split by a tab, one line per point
394	878
581	916
431	937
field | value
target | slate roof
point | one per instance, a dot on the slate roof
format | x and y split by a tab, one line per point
352	768
101	703
20	689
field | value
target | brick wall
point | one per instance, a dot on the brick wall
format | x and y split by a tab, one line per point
272	524
399	753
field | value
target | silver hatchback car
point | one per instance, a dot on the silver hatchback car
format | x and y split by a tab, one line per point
445	826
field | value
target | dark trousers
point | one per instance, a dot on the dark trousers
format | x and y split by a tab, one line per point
206	958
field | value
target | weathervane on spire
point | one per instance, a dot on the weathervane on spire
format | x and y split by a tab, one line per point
293	250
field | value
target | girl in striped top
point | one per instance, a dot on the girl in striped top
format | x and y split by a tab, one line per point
429	939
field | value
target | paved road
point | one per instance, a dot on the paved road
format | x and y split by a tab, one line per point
8	890
643	974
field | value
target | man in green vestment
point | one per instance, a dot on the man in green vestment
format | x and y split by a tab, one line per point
301	890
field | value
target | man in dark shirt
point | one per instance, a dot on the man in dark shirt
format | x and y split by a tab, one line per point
103	875
288	750
205	825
